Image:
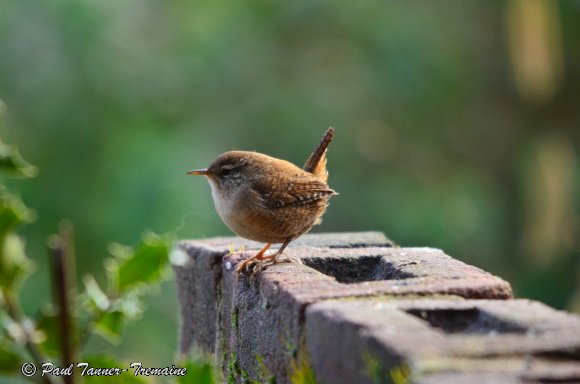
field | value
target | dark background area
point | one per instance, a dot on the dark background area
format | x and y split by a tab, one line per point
457	123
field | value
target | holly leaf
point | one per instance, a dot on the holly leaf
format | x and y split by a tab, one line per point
14	265
12	163
199	371
111	325
145	265
13	212
10	360
96	298
47	323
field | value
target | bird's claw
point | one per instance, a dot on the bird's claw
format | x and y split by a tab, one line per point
259	266
256	266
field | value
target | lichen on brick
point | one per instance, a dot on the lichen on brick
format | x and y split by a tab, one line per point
234	320
264	373
301	371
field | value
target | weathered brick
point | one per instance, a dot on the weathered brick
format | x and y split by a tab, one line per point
264	319
441	341
198	269
198	273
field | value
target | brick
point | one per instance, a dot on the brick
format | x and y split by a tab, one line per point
239	320
198	273
198	268
441	341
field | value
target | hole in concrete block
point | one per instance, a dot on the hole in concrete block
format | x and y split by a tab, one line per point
470	320
357	270
562	355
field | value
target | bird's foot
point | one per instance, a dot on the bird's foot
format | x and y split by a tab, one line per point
255	264
255	259
260	265
259	262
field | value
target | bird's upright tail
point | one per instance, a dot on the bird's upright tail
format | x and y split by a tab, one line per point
316	163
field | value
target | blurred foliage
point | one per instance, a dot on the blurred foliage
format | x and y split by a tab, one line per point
11	162
131	272
457	125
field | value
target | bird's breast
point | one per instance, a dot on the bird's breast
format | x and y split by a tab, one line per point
225	205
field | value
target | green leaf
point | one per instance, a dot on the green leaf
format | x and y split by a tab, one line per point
10	360
13	212
106	361
12	163
110	326
14	265
120	251
131	305
47	323
199	371
96	297
146	265
111	323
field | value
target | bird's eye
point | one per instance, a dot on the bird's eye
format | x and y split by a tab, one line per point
226	171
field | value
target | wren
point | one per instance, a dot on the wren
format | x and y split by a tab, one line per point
269	200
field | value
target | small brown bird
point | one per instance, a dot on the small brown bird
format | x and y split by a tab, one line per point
269	200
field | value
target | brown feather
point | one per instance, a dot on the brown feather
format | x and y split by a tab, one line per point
316	163
283	192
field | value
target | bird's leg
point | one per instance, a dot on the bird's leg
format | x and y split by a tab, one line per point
287	259
257	258
271	260
260	261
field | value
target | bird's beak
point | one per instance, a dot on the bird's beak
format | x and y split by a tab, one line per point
198	172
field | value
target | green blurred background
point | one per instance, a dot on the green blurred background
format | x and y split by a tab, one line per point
458	125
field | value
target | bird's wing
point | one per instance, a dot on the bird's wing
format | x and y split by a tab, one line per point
284	193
